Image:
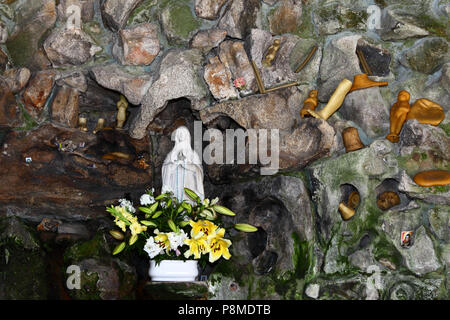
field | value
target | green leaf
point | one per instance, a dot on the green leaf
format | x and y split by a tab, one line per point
180	209
184	223
245	227
157	214
172	225
223	210
160	196
133	239
192	194
119	248
145	210
148	223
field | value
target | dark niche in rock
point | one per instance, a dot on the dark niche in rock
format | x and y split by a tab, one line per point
377	58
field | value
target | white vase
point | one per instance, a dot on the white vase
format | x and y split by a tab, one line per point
173	270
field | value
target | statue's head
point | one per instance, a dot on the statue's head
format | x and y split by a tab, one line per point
182	135
403	96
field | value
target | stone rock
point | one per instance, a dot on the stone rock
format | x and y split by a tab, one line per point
426	55
35	20
38	90
240	17
219	81
86	9
10	114
178	23
75	80
439	218
268	111
368	110
209	9
17	78
377	57
445	254
312	290
292	51
197	290
437	88
22	263
339	62
178	77
69	47
115	13
426	138
206	40
283	199
399	24
137	45
359	170
132	86
232	54
77	231
336	17
102	276
65	107
310	141
421	258
78	182
4	60
402	287
286	17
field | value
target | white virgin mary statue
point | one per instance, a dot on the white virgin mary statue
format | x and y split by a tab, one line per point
182	168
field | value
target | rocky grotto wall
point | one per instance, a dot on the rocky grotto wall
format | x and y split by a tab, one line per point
175	61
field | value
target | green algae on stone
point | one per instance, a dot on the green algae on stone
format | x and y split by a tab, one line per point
179	23
22	262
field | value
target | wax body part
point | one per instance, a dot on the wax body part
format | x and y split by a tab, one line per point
82	122
346	212
426	112
353	200
271	53
398	114
310	103
335	102
387	200
100	125
122	106
432	178
362	81
351	139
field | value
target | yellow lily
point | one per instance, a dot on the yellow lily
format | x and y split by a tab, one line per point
197	245
218	246
136	228
162	239
121	224
202	226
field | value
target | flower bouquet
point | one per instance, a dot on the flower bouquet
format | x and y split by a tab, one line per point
173	230
240	83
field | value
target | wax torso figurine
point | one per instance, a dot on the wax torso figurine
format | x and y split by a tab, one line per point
398	114
182	168
310	103
122	106
271	53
